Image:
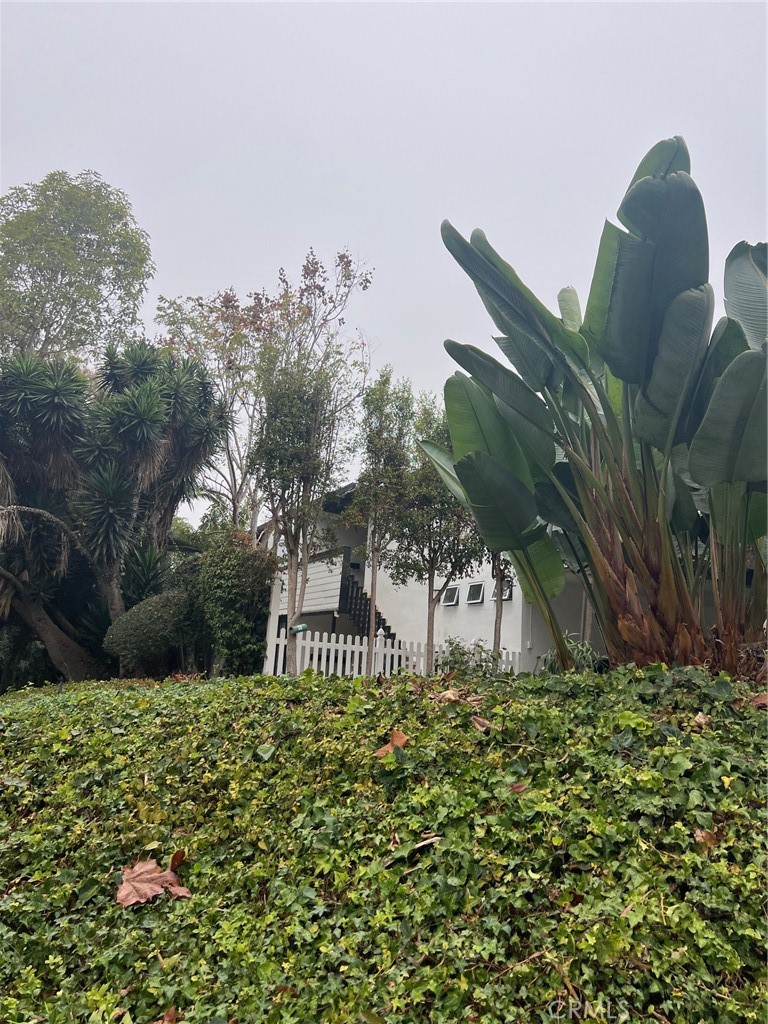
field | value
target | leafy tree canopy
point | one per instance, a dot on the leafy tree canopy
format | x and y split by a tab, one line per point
74	266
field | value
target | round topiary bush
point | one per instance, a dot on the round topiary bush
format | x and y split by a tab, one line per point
146	636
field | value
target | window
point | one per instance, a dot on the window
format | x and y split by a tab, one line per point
476	593
450	597
506	594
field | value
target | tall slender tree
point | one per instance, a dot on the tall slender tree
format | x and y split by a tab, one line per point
435	537
386	441
309	377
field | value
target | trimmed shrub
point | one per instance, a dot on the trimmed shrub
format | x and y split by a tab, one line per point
148	635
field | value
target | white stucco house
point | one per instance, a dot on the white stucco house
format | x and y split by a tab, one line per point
336	603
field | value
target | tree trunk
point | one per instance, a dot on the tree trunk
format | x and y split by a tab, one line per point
498	575
432	599
111	591
372	616
293	614
68	657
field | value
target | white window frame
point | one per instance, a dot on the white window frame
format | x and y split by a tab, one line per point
451	592
476	600
506	592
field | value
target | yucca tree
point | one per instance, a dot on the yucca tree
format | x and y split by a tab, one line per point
92	469
632	441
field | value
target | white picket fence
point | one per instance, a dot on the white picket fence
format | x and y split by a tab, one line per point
346	655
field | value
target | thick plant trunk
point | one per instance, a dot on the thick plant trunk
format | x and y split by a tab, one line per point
372	614
68	657
498	575
111	591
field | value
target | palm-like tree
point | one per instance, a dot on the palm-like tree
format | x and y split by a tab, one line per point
91	467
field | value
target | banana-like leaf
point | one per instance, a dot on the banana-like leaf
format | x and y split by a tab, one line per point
727	342
567	340
531	421
665	157
442	460
746	290
617	320
547	562
638	275
570	307
502	505
510	297
530	360
549	502
730	445
475	424
681	351
757	516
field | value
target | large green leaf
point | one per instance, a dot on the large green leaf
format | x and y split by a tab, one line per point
514	307
746	290
502	505
638	275
681	351
758	515
530	419
726	343
475	424
730	445
570	307
542	558
618	315
665	157
443	463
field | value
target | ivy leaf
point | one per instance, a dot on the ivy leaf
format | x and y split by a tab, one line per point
265	751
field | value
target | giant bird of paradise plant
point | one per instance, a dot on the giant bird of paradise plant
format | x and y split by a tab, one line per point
630	443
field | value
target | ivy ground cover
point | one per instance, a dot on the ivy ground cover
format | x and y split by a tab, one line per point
578	847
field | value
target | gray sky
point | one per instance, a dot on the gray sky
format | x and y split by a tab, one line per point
244	133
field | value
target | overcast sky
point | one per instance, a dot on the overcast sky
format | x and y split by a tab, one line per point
245	133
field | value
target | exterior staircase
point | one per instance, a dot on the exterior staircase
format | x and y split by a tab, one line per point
356	604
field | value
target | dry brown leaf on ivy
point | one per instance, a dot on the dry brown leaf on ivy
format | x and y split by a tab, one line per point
702	720
760	701
179	856
481	724
145	880
446	677
170	1017
704	836
449	696
397	739
518	787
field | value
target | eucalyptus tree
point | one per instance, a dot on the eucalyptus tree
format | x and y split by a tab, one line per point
92	467
74	266
636	434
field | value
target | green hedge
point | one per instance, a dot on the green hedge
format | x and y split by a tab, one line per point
602	842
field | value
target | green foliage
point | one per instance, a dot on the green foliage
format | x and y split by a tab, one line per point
602	841
583	656
472	663
234	586
74	265
92	471
149	633
22	659
624	440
